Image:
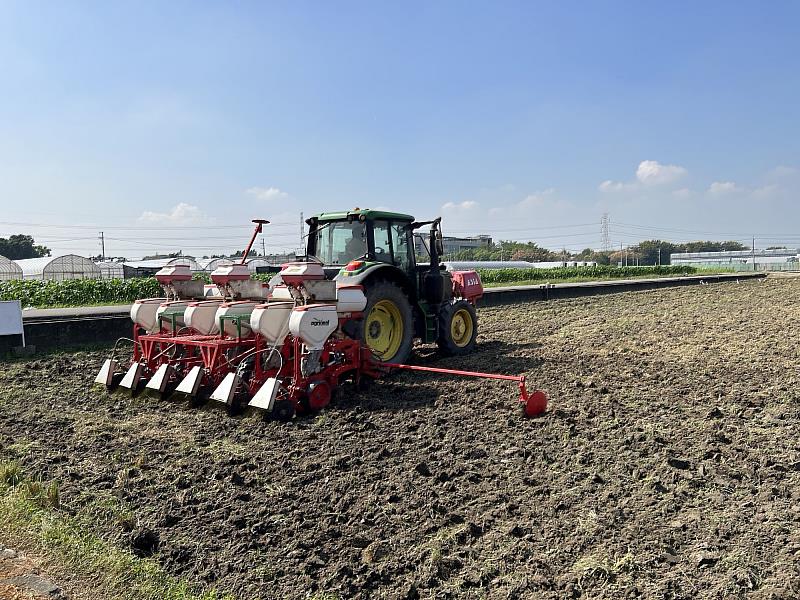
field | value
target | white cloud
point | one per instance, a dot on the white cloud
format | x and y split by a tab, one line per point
648	173
719	188
783	171
767	191
538	199
266	193
652	172
465	205
611	186
182	214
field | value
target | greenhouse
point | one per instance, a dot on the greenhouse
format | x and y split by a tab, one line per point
254	263
111	270
158	263
213	263
148	268
58	268
209	264
9	269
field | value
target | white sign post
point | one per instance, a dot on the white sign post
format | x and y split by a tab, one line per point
11	319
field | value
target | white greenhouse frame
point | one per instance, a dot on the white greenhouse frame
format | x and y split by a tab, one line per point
59	268
9	269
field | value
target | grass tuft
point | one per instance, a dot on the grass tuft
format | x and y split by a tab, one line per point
29	512
10	473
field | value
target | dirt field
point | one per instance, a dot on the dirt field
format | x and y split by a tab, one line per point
668	465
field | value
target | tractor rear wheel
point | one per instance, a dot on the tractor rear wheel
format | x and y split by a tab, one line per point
458	328
388	328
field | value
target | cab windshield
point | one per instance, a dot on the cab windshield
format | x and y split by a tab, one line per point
339	242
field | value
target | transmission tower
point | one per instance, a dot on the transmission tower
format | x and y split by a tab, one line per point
606	243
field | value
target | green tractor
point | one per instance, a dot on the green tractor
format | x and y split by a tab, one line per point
406	300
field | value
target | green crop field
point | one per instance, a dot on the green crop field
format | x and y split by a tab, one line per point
78	292
85	292
498	276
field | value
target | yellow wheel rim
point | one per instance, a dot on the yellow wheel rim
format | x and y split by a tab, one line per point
461	327
384	329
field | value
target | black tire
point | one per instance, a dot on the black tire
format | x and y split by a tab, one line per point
380	291
456	345
283	411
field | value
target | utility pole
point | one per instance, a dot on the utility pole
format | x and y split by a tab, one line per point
754	253
102	247
659	256
263	246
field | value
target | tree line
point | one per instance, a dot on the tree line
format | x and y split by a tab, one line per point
648	252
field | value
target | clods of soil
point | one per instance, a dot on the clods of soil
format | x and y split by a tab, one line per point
667	465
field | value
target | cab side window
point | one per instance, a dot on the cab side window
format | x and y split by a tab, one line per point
381	233
400	237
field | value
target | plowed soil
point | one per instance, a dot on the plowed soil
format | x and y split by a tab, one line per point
668	464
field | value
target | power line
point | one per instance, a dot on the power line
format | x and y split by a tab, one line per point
139	227
524	229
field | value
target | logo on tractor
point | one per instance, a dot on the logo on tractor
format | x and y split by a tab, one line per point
320	323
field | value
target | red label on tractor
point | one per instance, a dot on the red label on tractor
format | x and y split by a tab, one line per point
467	284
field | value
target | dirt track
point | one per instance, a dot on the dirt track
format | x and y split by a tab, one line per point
667	467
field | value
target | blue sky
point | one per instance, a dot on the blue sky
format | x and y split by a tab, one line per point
525	120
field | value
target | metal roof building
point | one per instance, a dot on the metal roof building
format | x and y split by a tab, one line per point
58	268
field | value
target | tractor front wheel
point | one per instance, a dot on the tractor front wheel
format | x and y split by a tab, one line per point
458	328
388	328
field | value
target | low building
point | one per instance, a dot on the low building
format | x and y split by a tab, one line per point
453	245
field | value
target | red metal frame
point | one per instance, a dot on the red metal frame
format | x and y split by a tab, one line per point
259	228
340	357
352	359
534	404
206	351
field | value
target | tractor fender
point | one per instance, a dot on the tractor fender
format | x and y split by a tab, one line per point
393	274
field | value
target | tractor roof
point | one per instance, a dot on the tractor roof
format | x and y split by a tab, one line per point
368	213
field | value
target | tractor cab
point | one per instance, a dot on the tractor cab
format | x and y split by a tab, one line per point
366	236
405	300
